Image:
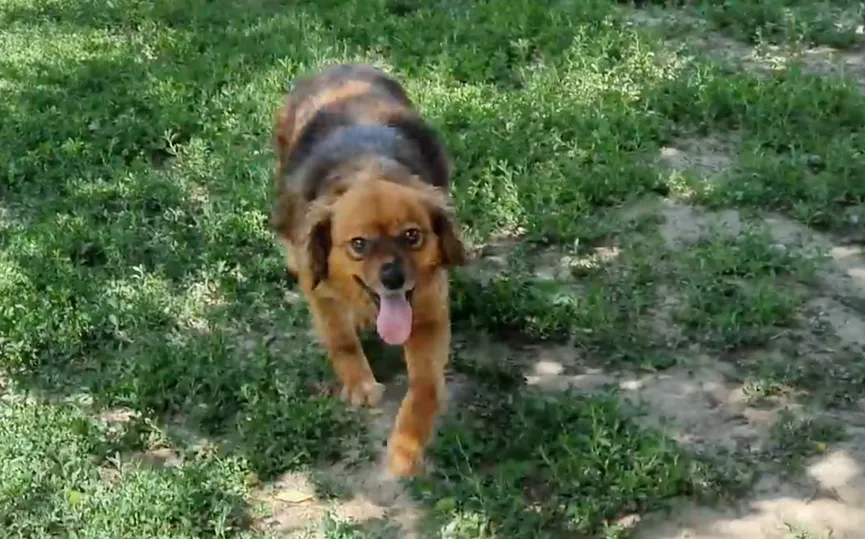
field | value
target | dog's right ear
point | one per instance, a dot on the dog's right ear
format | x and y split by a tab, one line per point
444	224
318	242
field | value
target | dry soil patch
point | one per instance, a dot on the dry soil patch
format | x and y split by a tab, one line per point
295	506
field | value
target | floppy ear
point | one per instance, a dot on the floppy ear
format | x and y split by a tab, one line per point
318	243
445	226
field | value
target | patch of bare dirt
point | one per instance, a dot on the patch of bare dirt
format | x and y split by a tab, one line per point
708	155
707	158
843	278
295	509
296	503
684	224
828	502
847	324
829	61
699	404
780	511
839	299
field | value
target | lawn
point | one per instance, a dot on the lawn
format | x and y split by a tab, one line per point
662	331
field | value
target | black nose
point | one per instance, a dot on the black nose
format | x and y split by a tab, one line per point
392	276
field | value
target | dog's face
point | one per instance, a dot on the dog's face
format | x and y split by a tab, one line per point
385	234
384	237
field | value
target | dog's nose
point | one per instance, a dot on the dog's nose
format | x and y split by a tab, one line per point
392	276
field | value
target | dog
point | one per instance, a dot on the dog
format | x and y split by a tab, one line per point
363	213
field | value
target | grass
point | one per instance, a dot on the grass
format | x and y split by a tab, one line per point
733	295
796	439
137	272
832	23
835	378
54	485
567	465
780	22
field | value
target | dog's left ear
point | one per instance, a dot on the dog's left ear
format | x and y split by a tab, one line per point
318	243
446	227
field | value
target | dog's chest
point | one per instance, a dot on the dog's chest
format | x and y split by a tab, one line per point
356	304
364	312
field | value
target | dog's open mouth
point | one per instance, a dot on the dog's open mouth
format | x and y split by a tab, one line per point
394	320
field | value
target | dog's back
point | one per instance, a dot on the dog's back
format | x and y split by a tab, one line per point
338	96
339	118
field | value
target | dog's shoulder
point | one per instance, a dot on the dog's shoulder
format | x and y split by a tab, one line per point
346	77
399	140
321	104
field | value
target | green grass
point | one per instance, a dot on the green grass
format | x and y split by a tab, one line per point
795	439
831	23
734	290
137	272
563	465
60	477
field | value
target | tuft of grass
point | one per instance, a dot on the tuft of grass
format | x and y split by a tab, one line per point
62	474
739	291
600	307
564	464
794	531
335	528
795	439
799	369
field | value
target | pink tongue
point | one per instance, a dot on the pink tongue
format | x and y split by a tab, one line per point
394	319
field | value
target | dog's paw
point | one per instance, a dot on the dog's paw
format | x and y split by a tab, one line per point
365	393
404	459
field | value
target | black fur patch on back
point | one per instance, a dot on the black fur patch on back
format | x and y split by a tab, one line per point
430	147
335	137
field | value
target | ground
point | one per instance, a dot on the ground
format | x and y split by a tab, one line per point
661	334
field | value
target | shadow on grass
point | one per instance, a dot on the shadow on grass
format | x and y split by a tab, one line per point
139	161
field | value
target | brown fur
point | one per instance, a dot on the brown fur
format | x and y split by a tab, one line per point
356	160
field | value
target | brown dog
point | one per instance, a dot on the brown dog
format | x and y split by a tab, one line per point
362	213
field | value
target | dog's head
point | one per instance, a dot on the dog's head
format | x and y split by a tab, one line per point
386	238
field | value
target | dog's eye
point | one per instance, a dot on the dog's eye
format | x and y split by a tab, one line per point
358	245
412	237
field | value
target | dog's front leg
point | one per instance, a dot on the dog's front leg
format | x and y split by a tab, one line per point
339	336
426	355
